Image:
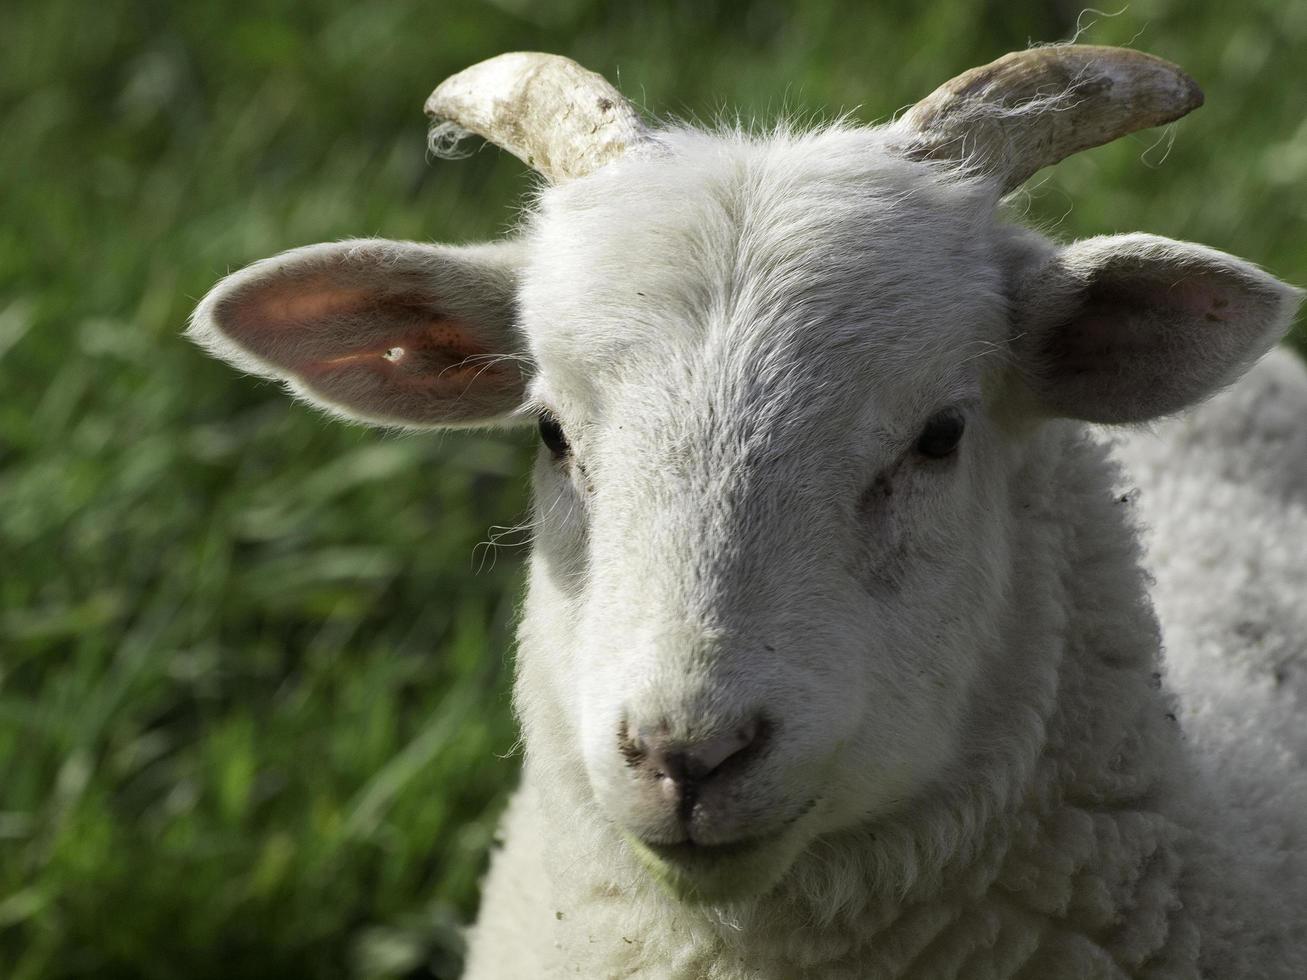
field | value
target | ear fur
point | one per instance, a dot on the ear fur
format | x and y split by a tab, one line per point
390	333
1126	328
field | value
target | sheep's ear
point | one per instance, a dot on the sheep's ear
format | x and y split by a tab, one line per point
393	333
1127	328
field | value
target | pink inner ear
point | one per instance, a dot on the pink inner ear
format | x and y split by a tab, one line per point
313	327
1192	297
438	352
305	302
1139	320
1146	343
394	355
1195	297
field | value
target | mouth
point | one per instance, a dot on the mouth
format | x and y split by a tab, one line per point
701	874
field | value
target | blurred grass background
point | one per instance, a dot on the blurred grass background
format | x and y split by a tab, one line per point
253	674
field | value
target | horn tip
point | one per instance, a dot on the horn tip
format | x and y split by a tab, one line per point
504	68
555	115
1148	77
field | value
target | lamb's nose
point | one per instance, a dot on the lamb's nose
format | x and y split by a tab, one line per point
682	766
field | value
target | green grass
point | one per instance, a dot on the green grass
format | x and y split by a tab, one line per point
253	679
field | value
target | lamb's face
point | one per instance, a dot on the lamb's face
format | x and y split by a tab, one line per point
771	537
774	514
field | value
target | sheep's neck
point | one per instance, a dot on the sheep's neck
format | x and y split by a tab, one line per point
1080	891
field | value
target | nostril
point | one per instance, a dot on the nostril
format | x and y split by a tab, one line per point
653	751
704	758
630	745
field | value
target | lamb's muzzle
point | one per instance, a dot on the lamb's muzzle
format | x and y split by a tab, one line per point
695	781
681	769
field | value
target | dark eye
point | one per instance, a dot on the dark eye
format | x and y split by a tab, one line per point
942	434
551	434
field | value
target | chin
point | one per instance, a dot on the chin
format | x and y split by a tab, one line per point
724	873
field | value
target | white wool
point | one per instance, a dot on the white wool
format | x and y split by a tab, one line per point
1230	592
1072	833
1231	597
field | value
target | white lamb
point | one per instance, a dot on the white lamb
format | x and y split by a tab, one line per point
836	658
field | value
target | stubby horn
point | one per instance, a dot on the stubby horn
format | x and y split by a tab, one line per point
548	111
1030	109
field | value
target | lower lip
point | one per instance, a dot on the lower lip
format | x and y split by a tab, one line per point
720	874
688	852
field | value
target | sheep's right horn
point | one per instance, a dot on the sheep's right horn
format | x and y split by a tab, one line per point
548	111
1030	109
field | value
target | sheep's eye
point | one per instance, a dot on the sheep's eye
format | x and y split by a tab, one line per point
942	434
551	434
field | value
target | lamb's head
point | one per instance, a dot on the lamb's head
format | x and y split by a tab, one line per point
785	385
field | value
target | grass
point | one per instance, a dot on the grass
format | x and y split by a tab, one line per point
253	676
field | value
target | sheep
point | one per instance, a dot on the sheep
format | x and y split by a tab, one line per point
836	658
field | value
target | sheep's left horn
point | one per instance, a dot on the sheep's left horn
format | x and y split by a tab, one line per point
548	111
1030	109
